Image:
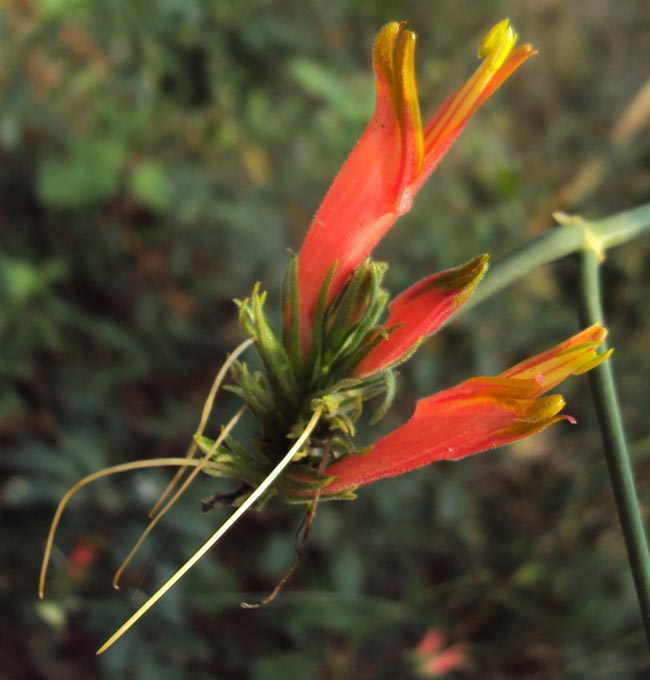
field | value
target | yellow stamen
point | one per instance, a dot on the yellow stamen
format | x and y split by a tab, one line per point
497	45
545	408
221	531
383	53
596	361
539	414
394	62
494	50
573	360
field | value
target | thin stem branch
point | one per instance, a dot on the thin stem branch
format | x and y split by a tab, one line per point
623	227
618	462
572	236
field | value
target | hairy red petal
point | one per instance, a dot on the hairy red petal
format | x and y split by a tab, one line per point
391	160
421	310
479	414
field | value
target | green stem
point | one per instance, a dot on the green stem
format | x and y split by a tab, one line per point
616	453
623	227
573	236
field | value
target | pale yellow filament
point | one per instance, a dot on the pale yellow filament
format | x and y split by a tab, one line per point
115	469
200	466
207	408
221	531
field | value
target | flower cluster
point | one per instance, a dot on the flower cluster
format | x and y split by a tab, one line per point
334	352
342	338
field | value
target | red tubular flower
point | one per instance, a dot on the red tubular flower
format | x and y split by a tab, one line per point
434	658
394	156
420	311
479	414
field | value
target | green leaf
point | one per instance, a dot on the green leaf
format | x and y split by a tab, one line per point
88	174
150	184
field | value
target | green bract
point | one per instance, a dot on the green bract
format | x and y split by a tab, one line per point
290	383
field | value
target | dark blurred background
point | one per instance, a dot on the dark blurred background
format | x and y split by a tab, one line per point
158	157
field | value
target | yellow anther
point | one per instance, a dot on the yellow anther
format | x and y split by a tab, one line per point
394	63
596	361
497	45
493	38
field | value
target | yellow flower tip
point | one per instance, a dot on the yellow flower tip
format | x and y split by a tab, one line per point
405	95
583	356
546	408
464	279
538	414
594	361
494	37
497	45
405	63
394	64
384	49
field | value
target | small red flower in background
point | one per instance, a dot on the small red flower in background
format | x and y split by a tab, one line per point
83	556
433	660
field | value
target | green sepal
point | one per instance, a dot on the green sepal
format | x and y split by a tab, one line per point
279	370
358	451
352	316
239	450
342	444
347	495
302	490
295	492
235	466
254	389
353	302
346	384
291	315
390	385
238	463
290	386
371	336
314	362
246	320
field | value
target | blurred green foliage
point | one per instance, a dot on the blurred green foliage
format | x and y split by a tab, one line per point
158	157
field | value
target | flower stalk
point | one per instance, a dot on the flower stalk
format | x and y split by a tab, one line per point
603	388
